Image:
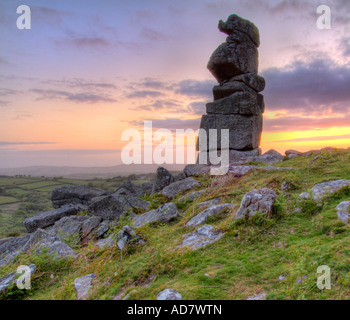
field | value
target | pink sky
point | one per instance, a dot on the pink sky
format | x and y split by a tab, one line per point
89	70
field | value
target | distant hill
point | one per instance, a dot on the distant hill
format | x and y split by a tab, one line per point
86	172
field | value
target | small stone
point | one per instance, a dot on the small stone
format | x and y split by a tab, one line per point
82	286
169	294
343	211
254	201
179	187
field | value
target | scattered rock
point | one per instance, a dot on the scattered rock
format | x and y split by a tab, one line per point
8	280
260	296
210	212
179	187
169	294
208	203
12	247
293	152
126	235
239	171
48	218
180	176
102	228
129	188
164	213
254	201
114	206
75	194
55	247
196	169
82	286
163	178
270	157
343	211
107	242
89	225
201	237
68	227
192	196
319	190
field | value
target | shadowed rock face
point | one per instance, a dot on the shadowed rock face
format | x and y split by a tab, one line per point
48	218
74	195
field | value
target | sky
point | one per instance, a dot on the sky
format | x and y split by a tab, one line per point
88	70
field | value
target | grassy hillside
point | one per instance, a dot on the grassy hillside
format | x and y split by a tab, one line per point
25	196
252	257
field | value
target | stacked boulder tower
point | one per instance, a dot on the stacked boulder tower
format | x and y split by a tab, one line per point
238	106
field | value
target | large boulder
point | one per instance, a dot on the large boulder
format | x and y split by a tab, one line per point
320	190
236	24
75	194
213	211
252	80
12	247
165	213
228	88
244	131
179	187
201	237
196	169
254	201
37	240
163	178
68	228
48	218
114	206
244	103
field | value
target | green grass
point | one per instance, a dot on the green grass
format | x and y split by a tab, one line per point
249	258
6	200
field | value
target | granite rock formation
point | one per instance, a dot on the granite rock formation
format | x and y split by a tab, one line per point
238	105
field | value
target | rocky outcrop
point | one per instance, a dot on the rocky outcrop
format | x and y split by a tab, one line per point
12	247
213	211
48	218
254	201
238	106
169	294
114	206
179	187
209	203
201	237
75	194
320	190
191	196
82	285
163	178
165	213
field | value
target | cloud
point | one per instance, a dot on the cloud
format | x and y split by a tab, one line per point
4	92
49	16
145	94
316	87
197	107
195	88
81	97
81	83
300	124
170	123
149	83
84	42
321	138
163	105
11	143
153	35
